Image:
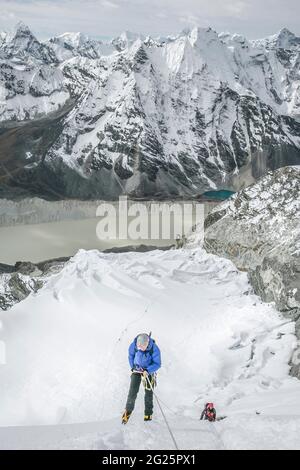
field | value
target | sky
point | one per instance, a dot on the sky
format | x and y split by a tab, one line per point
109	18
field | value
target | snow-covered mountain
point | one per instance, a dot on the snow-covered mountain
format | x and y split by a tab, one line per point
146	117
20	44
70	45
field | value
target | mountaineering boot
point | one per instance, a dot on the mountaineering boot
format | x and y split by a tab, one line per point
125	417
148	418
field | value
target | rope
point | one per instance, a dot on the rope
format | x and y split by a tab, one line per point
164	416
176	413
217	434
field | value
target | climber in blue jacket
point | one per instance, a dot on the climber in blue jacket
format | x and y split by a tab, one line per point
144	360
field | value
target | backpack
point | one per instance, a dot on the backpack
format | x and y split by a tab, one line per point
209	413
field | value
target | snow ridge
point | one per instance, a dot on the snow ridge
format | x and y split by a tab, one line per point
67	349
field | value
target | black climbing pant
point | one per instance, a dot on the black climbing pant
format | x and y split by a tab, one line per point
135	383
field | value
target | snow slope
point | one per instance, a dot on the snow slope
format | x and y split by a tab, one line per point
66	377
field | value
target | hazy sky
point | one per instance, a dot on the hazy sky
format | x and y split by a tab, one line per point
108	18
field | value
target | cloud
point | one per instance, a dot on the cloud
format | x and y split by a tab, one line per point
236	8
108	4
253	18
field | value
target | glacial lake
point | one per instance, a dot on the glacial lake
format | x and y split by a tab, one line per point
37	242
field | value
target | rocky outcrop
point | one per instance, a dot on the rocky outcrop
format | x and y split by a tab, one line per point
259	230
15	287
17	282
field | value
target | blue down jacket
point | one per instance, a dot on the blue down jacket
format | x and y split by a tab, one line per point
148	360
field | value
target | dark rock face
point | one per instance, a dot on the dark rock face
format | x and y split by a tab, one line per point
16	288
259	230
17	282
23	44
6	268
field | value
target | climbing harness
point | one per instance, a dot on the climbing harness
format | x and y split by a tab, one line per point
148	383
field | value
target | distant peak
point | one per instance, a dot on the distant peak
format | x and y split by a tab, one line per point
284	32
72	34
203	35
197	31
284	39
127	39
203	31
22	28
130	36
76	38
